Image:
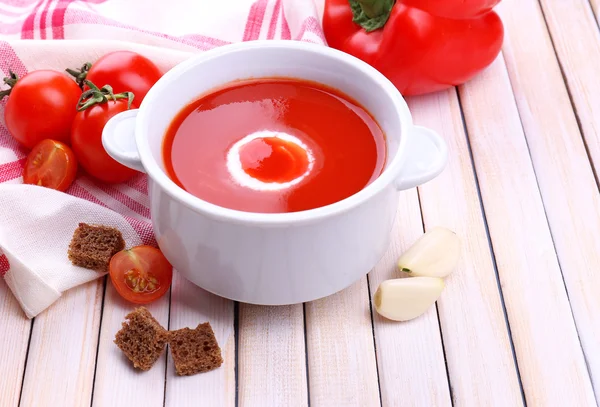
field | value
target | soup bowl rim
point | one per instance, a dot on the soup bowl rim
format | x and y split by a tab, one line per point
386	179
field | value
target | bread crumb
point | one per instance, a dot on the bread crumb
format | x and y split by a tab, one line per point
195	350
142	339
92	246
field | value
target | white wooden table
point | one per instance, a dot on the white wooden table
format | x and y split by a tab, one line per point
518	322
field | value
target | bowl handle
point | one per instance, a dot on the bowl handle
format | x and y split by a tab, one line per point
118	139
427	155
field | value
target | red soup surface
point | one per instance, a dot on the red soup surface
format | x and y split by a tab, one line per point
274	146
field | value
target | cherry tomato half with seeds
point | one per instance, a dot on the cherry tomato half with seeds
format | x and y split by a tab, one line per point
141	274
50	164
41	105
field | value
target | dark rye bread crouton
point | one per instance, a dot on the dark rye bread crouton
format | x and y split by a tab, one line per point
92	246
142	339
195	350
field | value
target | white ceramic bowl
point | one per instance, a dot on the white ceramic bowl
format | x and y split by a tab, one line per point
280	258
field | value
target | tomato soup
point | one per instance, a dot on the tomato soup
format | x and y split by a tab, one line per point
274	146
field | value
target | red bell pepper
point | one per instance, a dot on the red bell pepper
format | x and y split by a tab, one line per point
421	46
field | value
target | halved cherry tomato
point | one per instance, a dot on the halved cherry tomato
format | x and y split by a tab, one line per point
50	164
141	274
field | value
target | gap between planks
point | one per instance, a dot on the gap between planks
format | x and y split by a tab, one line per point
574	33
534	292
60	366
576	38
272	361
15	331
118	383
472	318
190	306
102	304
556	144
410	357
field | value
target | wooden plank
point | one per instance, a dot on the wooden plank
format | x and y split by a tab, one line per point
341	355
470	310
271	356
117	381
535	297
64	339
410	356
576	39
559	157
190	306
14	331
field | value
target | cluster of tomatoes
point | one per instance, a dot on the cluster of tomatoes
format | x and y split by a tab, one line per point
61	119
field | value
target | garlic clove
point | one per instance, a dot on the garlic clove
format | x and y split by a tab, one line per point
402	299
435	254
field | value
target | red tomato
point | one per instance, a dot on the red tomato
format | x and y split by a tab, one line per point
86	139
50	164
41	105
125	71
141	274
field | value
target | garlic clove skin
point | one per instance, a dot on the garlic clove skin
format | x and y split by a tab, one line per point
403	299
435	254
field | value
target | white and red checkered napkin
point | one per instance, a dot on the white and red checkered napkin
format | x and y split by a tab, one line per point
36	224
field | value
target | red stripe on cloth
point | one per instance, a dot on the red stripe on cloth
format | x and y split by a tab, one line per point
27	30
255	20
139	183
143	229
310	25
274	20
4	265
12	170
124	199
58	19
10	61
285	27
43	20
76	16
7	141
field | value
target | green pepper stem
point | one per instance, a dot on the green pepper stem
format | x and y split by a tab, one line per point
371	14
372	8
